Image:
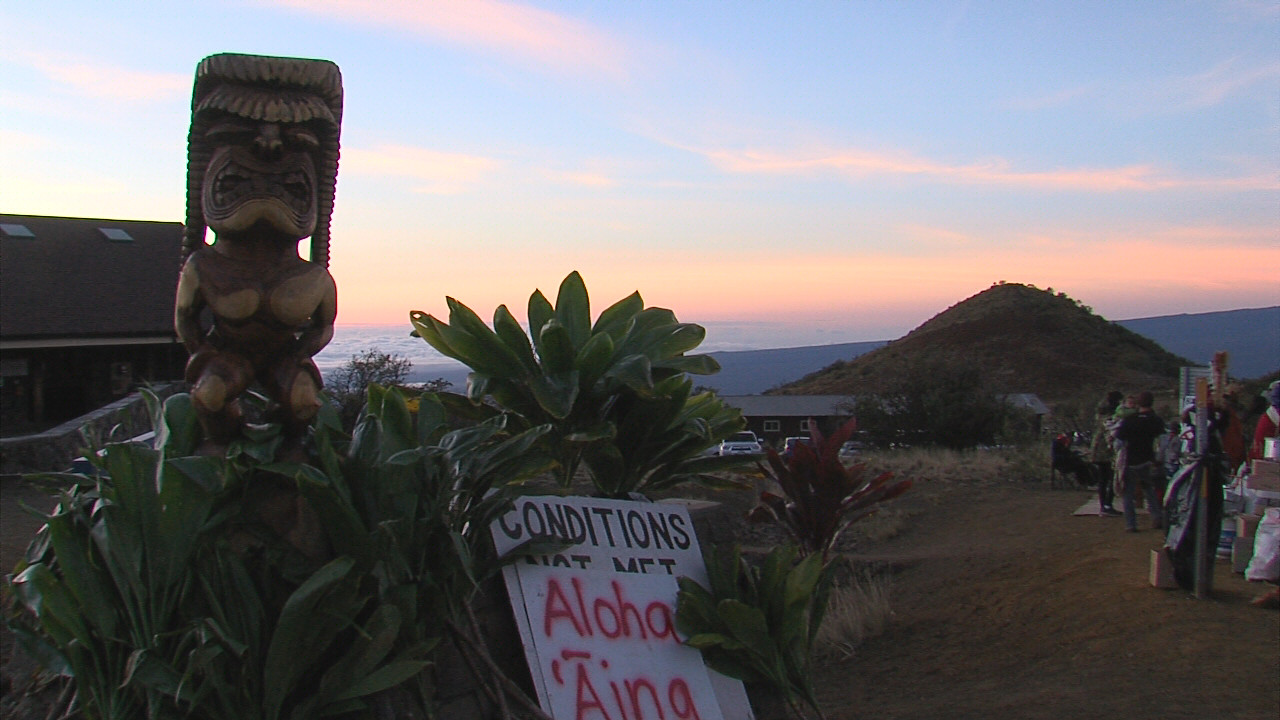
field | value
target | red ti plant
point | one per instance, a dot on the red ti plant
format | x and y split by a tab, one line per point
822	496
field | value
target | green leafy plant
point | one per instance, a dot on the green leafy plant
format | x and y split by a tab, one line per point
413	500
614	394
758	624
133	589
822	495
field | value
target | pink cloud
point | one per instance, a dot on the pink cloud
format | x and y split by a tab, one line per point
440	173
860	164
508	28
95	79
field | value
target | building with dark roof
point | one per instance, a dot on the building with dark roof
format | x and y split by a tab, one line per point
775	417
86	314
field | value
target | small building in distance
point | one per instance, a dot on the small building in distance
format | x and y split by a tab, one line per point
86	314
776	417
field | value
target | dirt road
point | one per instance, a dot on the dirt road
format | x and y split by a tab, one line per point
1008	606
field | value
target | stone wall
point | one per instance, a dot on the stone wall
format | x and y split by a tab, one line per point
54	449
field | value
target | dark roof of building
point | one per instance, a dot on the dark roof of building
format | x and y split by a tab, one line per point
83	278
801	406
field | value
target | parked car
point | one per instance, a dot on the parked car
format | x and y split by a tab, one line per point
790	443
741	443
850	449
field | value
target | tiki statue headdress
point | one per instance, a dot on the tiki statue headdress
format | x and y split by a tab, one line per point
300	94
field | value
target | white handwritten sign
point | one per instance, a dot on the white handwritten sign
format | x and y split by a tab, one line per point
597	617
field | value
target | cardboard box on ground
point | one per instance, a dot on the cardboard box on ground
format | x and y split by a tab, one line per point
1241	554
1247	525
1264	475
1161	574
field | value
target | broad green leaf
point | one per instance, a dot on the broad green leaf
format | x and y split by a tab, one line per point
497	352
514	337
573	309
617	317
706	640
303	632
54	605
695	364
387	676
555	348
555	394
749	626
424	326
92	592
540	313
432	417
635	372
679	339
595	357
178	429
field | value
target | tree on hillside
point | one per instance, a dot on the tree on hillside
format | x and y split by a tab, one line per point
934	402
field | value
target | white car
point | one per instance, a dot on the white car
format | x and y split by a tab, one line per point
850	450
741	443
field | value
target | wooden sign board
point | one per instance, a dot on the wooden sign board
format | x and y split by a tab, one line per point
597	618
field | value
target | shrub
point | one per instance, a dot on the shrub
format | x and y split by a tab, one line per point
347	384
939	403
758	624
615	394
157	587
822	495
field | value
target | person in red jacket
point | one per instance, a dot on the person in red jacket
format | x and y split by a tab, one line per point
1269	424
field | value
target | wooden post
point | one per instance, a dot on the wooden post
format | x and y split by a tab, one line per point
1203	571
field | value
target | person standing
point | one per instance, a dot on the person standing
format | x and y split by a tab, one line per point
1268	424
1142	473
1102	454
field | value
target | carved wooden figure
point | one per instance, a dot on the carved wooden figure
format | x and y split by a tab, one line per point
262	169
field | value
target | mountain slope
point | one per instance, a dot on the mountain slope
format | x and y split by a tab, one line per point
1027	340
1252	337
750	372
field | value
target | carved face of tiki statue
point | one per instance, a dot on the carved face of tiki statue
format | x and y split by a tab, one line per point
263	148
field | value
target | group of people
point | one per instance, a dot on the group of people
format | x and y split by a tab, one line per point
1134	448
1123	453
1134	454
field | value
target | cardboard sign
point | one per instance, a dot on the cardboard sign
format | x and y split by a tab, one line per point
597	618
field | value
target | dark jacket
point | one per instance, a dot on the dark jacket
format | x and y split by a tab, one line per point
1140	433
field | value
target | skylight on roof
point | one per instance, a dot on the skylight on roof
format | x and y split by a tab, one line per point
16	230
116	234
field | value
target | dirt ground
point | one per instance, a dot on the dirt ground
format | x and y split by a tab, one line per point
1005	606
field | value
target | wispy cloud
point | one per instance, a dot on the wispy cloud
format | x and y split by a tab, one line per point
93	78
583	178
528	33
441	173
857	164
1224	80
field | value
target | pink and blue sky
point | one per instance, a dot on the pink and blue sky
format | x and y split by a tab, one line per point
859	164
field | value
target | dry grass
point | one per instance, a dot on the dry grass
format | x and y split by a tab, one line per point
996	465
857	609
